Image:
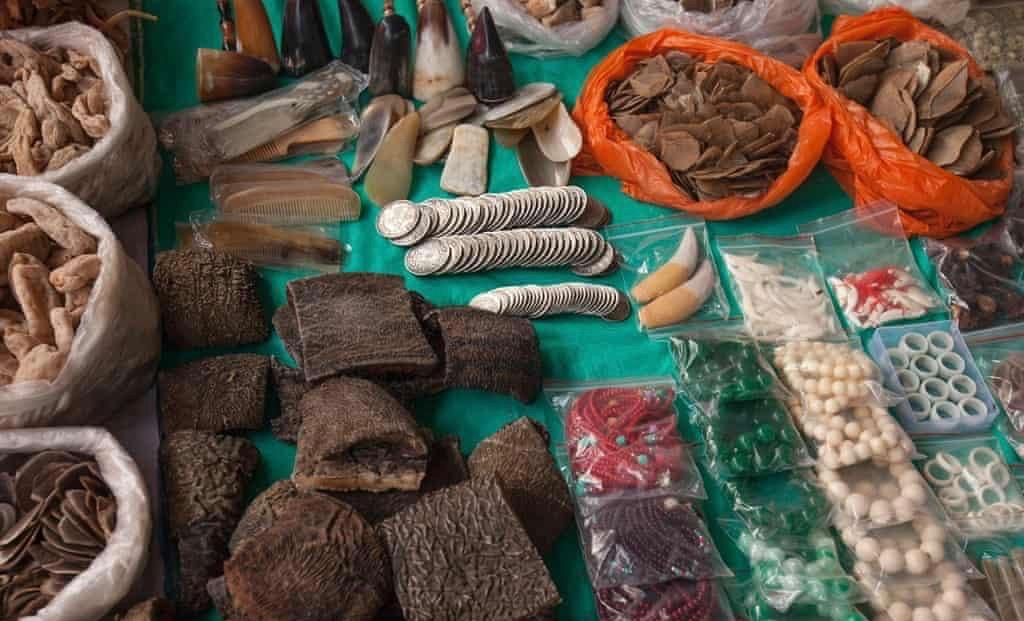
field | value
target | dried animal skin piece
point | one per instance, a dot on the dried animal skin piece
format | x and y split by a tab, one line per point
290	386
208	300
26	239
77	273
461	553
266	509
205	476
445	467
30	283
518	456
153	609
356	436
484	351
223	393
358	323
287	328
320	561
44	362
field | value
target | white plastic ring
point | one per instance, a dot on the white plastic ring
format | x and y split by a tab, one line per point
954	499
945	413
962	387
973	407
938	475
920	406
992	491
940	342
898	358
998	474
908	380
949	462
914	344
950	364
982	457
935	389
924	366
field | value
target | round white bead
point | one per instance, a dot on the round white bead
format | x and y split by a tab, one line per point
955	598
935	550
917	562
857	504
891	561
899	611
867	549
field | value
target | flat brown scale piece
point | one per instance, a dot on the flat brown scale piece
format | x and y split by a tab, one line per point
358	323
208	300
153	609
445	467
205	476
223	393
518	456
461	554
319	561
265	510
290	386
495	353
356	436
287	328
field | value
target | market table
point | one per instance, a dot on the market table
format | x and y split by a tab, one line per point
573	348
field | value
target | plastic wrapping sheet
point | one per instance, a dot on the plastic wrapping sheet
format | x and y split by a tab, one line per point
525	34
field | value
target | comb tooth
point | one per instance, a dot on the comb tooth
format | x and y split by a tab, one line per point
299	211
273	150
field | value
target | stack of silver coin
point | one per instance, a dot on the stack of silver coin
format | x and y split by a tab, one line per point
584	250
406	223
533	301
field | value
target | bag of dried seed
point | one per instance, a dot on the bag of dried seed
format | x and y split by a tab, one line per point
739	143
85	494
916	122
789	30
88	341
95	140
545	28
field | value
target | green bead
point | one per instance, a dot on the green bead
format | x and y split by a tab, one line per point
620	440
783	456
840	588
816	590
740	463
765	434
642	459
746	441
787	435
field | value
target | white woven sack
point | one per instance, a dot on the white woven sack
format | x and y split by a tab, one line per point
788	30
949	12
122	169
522	33
96	591
117	345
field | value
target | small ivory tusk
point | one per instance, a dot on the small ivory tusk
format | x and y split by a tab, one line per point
682	302
673	272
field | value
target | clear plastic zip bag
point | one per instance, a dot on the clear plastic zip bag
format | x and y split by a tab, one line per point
1002	562
729	367
266	127
869	495
645	540
999	355
667	267
779	287
692	600
753	605
285	248
974	483
786	504
870	268
831	377
750	438
622	438
855	435
942	594
789	30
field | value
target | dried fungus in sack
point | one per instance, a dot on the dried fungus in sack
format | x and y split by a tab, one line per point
287	328
205	476
445	467
319	561
926	97
208	300
290	386
461	553
484	351
356	436
56	516
153	609
223	393
719	129
358	323
518	456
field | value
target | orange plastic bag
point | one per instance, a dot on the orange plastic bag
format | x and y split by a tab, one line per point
608	150
871	163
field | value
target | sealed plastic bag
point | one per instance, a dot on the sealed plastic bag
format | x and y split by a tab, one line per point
973	482
92	594
698	600
870	268
779	287
854	435
299	118
622	437
831	377
788	30
869	495
754	605
1002	562
122	169
608	151
999	355
645	540
576	28
943	594
116	348
871	163
981	279
787	504
733	368
669	272
750	438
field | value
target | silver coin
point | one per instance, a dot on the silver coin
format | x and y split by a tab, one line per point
427	258
398	219
417	234
598	267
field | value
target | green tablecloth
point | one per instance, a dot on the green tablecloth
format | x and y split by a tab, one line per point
574	349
